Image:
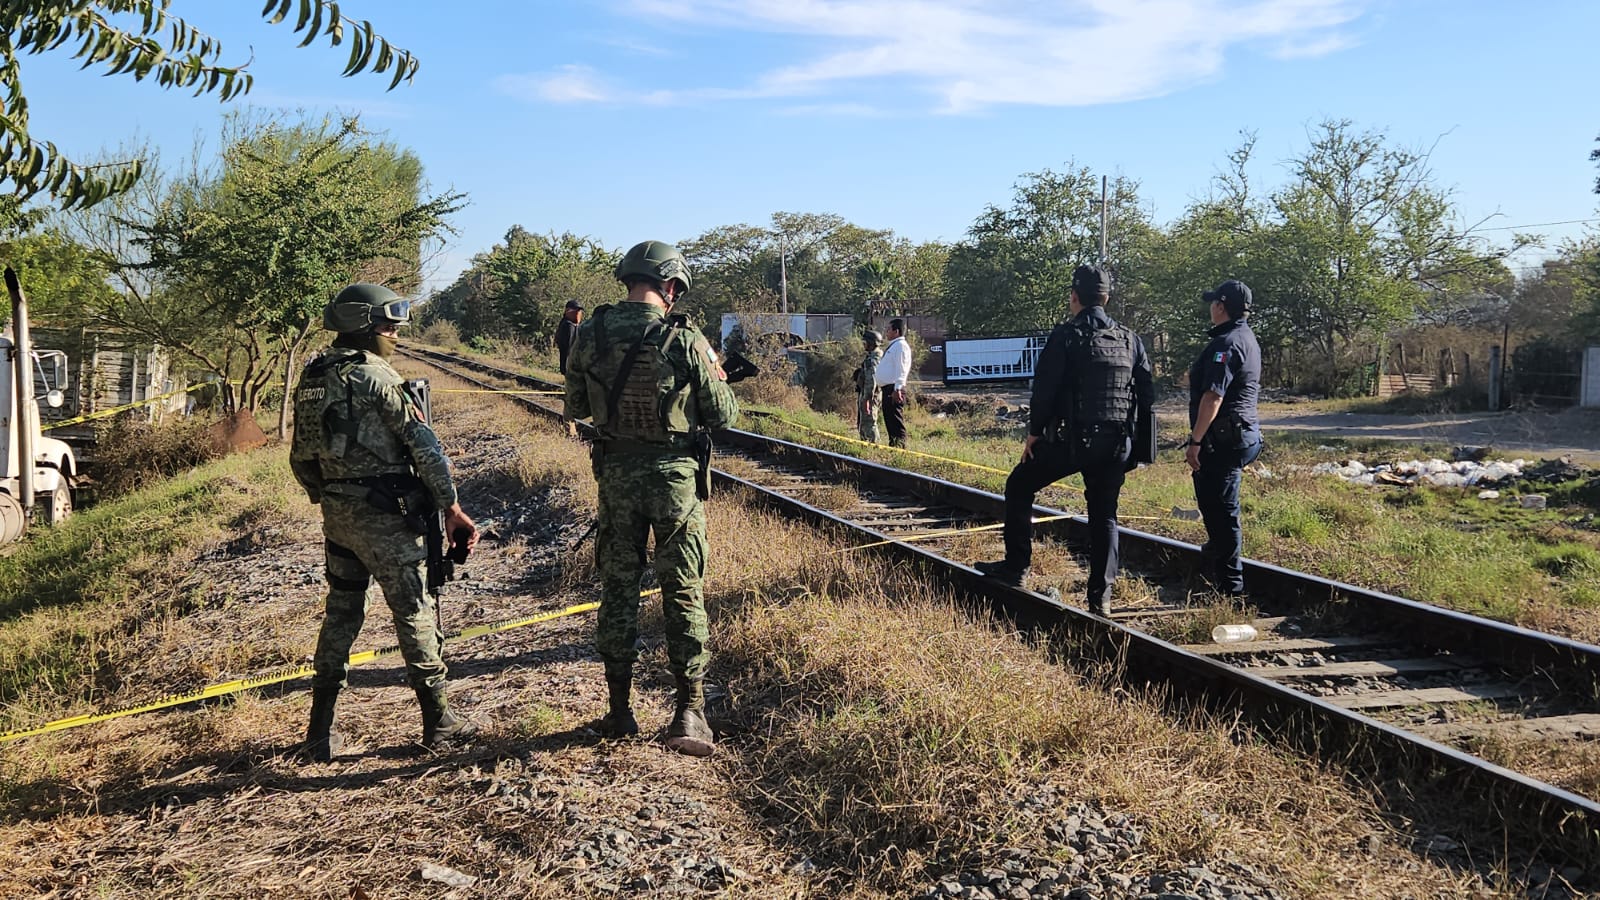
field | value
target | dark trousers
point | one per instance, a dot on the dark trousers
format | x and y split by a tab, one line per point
894	417
1102	458
1216	492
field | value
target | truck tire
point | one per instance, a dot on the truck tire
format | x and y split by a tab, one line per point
59	509
12	519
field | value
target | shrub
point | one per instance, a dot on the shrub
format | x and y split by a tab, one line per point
830	375
130	452
442	333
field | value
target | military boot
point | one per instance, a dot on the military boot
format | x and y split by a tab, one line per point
439	724
619	722
322	742
689	732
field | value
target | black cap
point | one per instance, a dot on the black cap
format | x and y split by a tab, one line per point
1233	294
1090	282
573	304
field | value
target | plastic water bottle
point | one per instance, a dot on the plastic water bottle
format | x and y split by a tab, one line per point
1233	634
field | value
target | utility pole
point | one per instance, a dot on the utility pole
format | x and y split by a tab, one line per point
783	274
1103	219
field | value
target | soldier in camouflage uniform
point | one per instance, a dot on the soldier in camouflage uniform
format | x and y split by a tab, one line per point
866	393
654	390
364	454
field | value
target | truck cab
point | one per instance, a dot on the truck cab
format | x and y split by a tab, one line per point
53	464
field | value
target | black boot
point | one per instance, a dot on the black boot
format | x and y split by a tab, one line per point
689	732
322	742
619	722
439	724
1003	572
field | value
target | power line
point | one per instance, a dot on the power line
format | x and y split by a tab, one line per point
1538	225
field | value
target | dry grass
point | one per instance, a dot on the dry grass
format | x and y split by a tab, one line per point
877	728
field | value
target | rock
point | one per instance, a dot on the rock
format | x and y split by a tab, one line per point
1189	515
1488	495
1531	501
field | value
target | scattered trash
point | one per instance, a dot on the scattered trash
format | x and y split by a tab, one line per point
1531	501
1233	634
1488	495
445	875
1461	473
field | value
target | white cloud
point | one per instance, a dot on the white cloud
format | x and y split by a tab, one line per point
568	84
972	54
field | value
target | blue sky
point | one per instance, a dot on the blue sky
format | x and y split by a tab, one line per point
635	119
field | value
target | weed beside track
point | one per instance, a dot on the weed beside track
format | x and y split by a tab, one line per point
877	741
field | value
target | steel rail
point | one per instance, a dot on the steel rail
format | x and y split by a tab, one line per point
1531	810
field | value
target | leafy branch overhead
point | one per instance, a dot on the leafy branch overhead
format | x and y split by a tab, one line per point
144	41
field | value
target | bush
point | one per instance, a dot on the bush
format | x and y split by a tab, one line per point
130	452
1566	560
442	333
774	385
830	376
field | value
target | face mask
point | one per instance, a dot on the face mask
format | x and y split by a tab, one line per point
384	345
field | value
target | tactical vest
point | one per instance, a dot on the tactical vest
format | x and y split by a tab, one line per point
646	395
1101	361
329	419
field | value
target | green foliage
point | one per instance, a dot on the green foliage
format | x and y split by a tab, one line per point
151	44
62	277
829	375
830	266
243	258
519	288
1568	560
1013	273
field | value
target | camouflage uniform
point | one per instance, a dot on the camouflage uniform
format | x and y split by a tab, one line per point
644	465
866	393
369	427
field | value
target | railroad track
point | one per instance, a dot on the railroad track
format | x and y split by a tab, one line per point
1345	673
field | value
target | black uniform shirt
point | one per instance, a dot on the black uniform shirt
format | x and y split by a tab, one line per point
1051	391
1230	366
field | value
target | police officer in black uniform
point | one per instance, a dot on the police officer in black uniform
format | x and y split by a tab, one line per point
1091	394
1225	429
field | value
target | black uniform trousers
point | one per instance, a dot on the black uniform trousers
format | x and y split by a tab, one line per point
1216	492
894	417
1101	455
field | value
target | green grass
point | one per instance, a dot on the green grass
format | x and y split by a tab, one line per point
1435	545
71	596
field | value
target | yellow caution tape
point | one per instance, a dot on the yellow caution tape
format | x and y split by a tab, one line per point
126	406
287	673
949	532
859	442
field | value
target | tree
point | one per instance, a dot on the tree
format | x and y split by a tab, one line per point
1361	242
240	261
1013	273
519	288
152	44
63	278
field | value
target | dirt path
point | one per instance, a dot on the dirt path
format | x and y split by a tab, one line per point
1570	432
1574	432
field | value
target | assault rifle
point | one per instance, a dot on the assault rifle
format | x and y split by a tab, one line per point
442	561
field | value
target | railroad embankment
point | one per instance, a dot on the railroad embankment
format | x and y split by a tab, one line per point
876	741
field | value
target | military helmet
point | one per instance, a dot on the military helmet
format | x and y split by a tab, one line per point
872	339
656	260
362	305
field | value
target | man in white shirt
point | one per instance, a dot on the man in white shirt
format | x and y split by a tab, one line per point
890	378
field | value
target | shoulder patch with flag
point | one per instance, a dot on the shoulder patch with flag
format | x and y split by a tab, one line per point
1222	356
